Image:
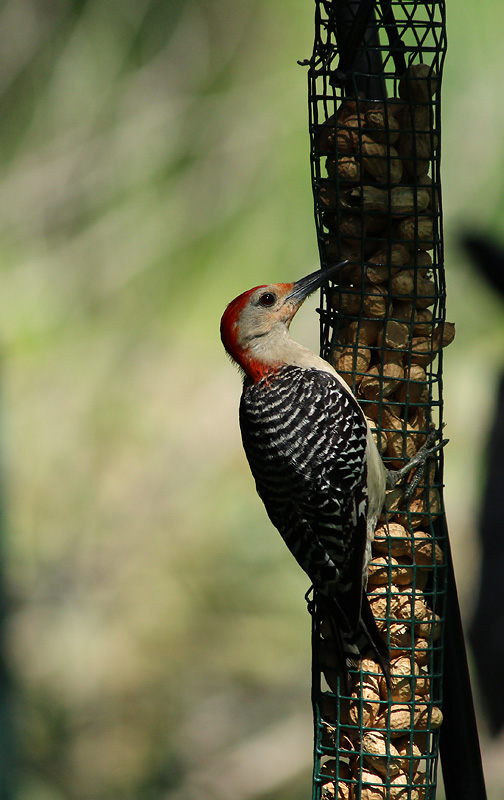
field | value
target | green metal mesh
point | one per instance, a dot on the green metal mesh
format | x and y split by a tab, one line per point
375	152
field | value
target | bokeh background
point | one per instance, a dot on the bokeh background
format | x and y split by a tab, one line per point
154	164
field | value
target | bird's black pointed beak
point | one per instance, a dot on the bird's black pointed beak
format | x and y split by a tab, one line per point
306	286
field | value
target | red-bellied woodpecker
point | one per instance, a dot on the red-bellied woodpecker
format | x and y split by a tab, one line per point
311	452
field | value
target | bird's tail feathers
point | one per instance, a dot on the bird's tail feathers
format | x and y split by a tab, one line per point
352	646
341	657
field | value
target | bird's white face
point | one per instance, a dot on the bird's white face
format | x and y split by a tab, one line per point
268	307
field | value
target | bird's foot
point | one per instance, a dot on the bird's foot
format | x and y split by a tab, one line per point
417	462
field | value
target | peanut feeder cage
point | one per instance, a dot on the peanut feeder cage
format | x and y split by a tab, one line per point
374	101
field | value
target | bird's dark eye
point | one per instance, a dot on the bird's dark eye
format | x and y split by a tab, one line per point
267	299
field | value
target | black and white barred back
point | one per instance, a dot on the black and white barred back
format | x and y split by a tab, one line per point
305	440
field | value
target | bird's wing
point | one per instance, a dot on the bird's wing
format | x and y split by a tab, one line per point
305	439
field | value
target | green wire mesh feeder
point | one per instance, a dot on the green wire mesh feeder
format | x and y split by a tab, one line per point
374	90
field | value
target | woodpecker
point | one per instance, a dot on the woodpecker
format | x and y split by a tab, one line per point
312	455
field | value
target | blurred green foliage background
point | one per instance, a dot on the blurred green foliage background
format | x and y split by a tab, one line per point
154	158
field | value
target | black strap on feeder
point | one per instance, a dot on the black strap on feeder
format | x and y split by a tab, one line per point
354	27
458	741
396	45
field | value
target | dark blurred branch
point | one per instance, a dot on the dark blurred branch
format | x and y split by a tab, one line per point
486	632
